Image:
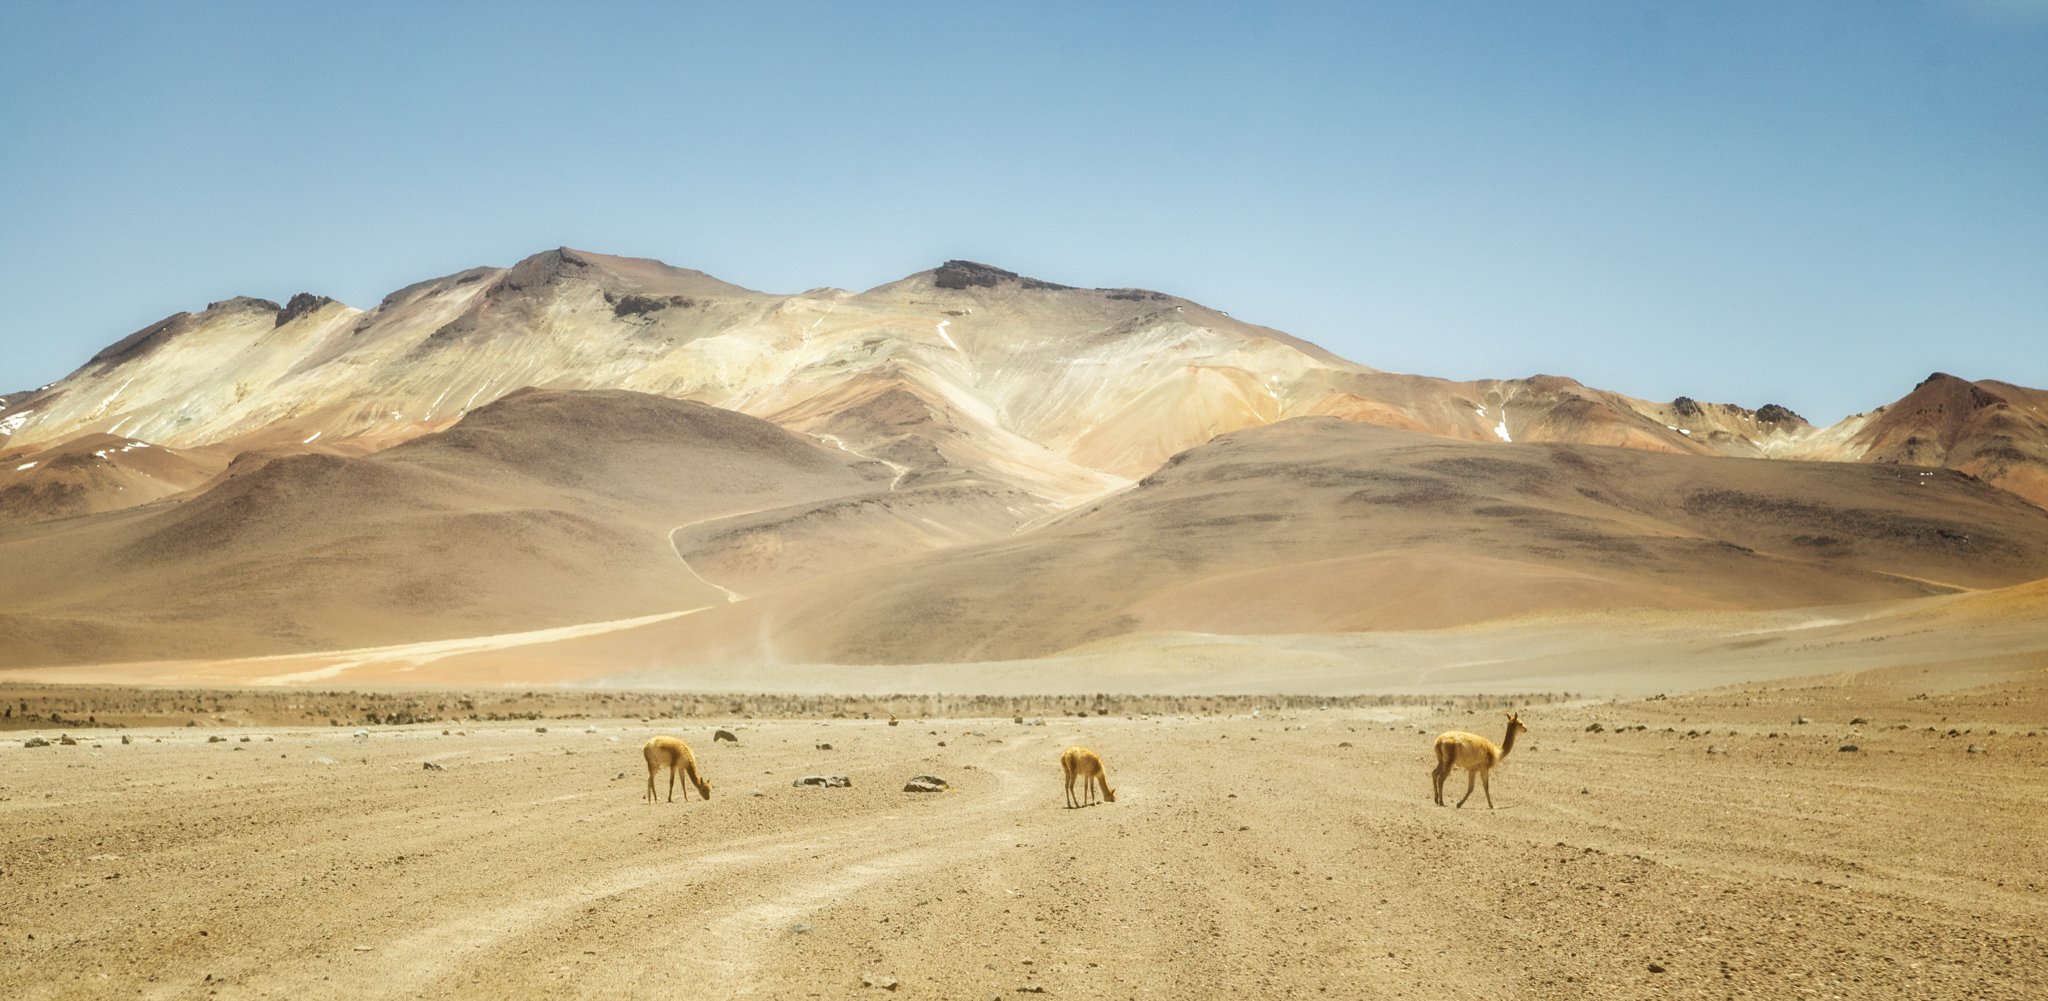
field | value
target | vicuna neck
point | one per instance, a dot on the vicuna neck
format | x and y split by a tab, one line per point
1508	744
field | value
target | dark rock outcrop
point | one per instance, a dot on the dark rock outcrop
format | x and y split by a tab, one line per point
300	305
966	274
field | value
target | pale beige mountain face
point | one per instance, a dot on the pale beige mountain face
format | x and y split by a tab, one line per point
965	370
965	464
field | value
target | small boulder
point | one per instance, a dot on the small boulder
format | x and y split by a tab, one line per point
65	739
1716	749
824	782
1847	748
125	740
1595	728
823	746
1859	721
1801	721
430	766
216	739
35	742
540	729
1978	749
877	980
718	735
925	783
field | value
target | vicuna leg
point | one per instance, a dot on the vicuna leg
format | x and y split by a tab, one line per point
1469	778
1070	790
672	783
652	796
1486	783
1437	775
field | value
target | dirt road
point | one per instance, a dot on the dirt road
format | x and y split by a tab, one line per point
1248	857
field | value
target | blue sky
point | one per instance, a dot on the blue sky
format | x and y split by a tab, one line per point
1814	204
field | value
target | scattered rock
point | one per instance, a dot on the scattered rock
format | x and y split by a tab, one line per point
823	746
893	721
540	729
718	735
877	980
1716	749
824	782
925	783
65	739
1859	721
590	729
431	766
361	735
216	739
619	777
1801	721
1656	967
1978	749
324	761
1595	728
1343	743
1031	989
1019	720
125	740
1847	747
35	742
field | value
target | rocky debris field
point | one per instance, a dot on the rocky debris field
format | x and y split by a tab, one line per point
1718	845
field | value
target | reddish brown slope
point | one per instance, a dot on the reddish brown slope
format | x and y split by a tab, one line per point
1995	431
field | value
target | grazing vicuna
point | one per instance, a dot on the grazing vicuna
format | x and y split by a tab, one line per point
671	751
1086	765
1476	755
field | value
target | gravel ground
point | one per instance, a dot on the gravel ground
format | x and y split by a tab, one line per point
1244	856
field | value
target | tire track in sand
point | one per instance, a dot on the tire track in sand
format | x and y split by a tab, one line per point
806	869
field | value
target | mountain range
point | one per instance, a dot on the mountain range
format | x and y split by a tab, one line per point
966	464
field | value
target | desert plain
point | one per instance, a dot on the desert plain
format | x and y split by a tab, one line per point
1846	836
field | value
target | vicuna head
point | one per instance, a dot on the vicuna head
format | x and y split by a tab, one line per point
1515	724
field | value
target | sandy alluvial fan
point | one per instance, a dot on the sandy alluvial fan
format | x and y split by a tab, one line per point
965	464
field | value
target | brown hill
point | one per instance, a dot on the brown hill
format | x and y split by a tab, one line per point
98	472
1992	430
541	509
1320	525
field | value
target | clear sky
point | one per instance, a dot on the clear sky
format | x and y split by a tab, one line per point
1813	204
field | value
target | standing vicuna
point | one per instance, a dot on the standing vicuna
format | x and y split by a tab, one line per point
671	751
1086	765
1475	754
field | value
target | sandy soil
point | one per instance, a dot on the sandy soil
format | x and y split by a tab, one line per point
1245	856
